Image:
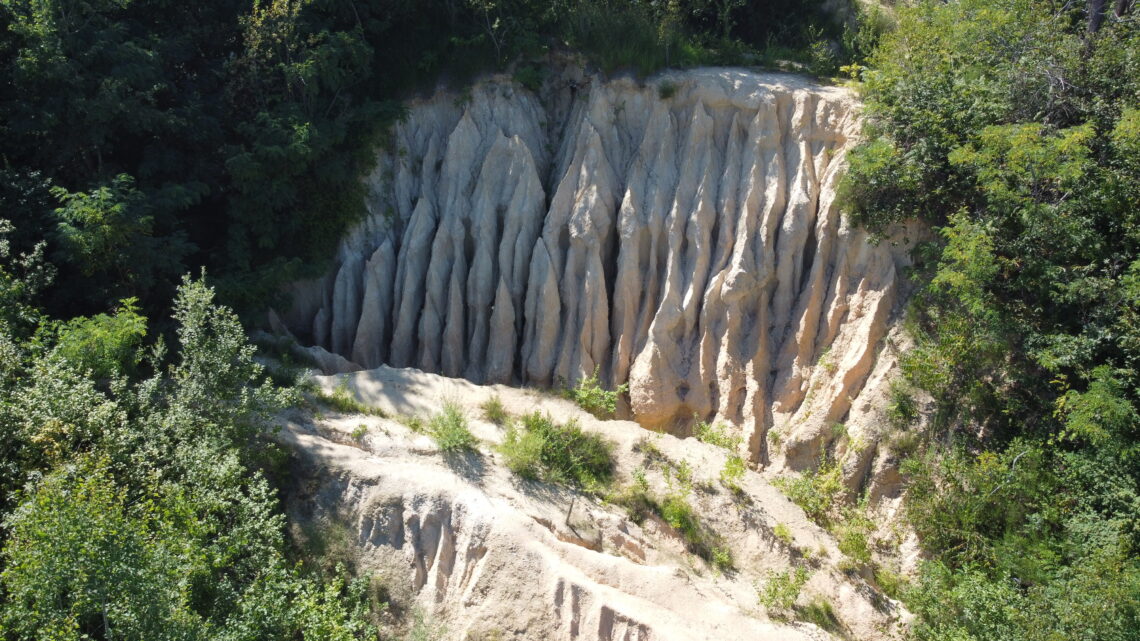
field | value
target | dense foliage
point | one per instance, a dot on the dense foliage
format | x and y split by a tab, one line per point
136	508
146	137
1013	127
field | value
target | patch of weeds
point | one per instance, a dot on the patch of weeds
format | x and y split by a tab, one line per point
821	613
449	430
847	566
722	559
905	443
342	400
732	472
817	493
648	447
680	516
827	362
775	437
639	479
783	533
676	510
423	629
595	399
636	499
890	582
414	423
539	448
522	450
718	434
683	475
838	431
359	431
902	409
853	535
494	412
666	90
779	591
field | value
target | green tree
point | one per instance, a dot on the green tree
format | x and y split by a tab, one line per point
80	564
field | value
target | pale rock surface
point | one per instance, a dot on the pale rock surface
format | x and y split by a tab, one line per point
690	247
487	554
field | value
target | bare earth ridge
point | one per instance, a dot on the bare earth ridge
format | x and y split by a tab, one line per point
484	552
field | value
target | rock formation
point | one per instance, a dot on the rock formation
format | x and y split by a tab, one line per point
493	556
681	236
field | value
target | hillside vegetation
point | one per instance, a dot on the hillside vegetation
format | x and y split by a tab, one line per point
1013	127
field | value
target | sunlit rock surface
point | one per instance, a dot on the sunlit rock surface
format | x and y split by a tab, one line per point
679	235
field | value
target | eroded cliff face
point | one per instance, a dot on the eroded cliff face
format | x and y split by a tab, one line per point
681	236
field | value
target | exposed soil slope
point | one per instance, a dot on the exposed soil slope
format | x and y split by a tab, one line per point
487	553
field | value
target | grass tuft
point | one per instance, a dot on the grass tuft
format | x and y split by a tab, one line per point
821	613
494	412
717	434
449	430
595	399
342	400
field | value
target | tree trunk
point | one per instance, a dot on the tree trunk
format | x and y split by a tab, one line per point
1096	15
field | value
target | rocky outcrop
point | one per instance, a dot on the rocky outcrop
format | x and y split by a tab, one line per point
681	236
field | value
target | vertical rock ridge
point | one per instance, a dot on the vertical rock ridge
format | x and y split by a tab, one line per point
689	246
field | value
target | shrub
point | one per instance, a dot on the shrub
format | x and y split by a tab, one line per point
595	399
494	412
522	450
722	558
558	453
449	430
626	36
732	473
817	492
681	517
531	77
780	590
890	582
666	90
108	346
902	410
853	540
